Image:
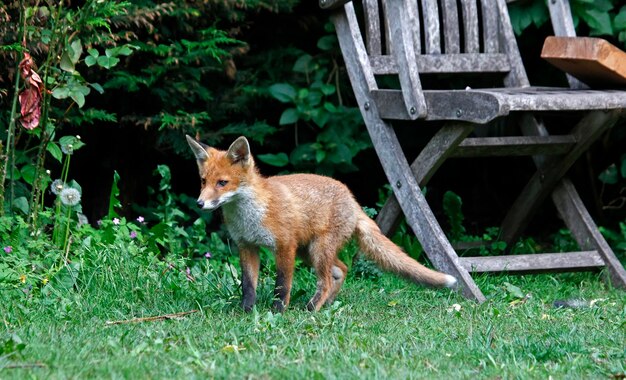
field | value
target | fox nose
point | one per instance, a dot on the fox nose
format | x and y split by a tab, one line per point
200	203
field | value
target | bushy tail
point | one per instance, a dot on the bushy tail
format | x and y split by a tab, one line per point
389	256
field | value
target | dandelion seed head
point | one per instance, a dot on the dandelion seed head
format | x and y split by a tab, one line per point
70	196
67	149
57	186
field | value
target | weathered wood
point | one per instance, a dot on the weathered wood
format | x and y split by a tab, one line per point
438	149
594	61
482	106
517	76
533	263
402	46
491	34
432	38
551	172
413	16
372	27
415	207
404	56
514	146
452	39
585	231
449	63
470	26
563	25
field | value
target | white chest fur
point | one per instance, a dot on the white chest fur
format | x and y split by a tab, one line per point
244	217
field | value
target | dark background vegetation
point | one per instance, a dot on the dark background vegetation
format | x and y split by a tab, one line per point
206	68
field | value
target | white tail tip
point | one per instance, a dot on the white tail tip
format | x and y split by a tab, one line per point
450	282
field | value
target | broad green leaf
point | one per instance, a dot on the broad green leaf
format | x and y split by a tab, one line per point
327	42
304	64
71	140
66	62
75	50
78	97
90	60
599	21
107	62
320	155
93	52
289	116
279	159
28	173
61	93
21	204
55	151
114	201
320	117
97	87
284	92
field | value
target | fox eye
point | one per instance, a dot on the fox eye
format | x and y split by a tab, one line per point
221	183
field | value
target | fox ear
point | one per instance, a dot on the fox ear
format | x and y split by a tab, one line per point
199	149
239	151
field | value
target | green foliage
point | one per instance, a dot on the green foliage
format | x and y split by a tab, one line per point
315	105
602	18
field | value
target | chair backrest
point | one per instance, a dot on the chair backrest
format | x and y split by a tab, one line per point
410	38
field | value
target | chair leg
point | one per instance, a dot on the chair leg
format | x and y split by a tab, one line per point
412	201
585	231
550	172
438	149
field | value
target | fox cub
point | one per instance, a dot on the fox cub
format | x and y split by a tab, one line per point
307	214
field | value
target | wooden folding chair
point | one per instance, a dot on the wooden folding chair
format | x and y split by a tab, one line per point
411	39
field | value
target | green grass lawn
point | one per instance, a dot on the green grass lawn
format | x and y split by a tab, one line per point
378	328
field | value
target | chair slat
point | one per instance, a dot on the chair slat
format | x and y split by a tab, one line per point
514	146
538	262
372	27
470	26
450	27
452	63
490	26
414	17
432	36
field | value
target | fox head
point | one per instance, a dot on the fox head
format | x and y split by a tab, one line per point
222	173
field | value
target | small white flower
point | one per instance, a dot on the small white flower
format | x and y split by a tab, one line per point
48	172
78	137
70	196
57	186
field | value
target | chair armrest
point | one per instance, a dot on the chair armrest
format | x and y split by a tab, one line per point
403	50
332	4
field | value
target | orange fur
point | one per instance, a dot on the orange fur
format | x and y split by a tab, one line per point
306	213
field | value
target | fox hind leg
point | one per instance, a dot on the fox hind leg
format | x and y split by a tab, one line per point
338	272
329	270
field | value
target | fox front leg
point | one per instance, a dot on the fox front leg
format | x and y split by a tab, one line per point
250	263
285	262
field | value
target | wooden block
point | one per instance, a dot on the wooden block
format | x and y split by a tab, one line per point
594	61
